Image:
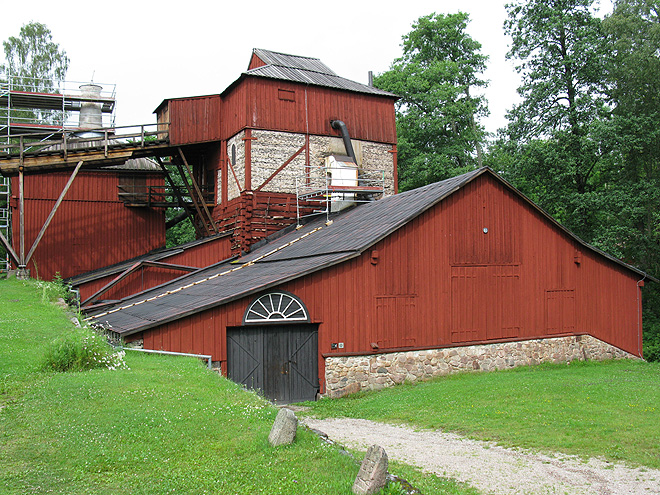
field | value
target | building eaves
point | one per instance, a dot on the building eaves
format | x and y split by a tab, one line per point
154	255
293	61
313	247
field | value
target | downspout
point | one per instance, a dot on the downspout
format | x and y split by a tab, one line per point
639	284
341	127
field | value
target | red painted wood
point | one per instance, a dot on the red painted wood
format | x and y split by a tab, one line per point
198	256
432	288
92	227
195	120
256	102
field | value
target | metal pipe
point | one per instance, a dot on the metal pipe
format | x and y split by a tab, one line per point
341	127
170	353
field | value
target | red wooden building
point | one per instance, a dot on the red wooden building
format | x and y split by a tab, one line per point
466	270
281	120
93	226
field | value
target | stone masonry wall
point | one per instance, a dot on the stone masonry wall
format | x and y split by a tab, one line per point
346	375
234	189
271	149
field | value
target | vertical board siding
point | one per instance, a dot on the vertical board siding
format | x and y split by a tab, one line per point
90	229
257	103
429	289
195	120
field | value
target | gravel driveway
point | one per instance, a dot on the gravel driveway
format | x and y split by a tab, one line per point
488	467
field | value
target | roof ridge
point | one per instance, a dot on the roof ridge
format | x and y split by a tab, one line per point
286	54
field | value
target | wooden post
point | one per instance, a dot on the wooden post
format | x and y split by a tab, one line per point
21	218
192	197
248	159
52	213
9	249
199	192
179	198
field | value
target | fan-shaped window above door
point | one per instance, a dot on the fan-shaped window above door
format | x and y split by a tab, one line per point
276	307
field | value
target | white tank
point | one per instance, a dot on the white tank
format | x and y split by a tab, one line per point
91	116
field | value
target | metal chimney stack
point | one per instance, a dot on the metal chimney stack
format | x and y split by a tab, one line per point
91	116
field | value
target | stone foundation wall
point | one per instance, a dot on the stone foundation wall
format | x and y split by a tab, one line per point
346	375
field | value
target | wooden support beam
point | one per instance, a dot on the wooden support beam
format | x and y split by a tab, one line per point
111	284
52	212
21	219
9	249
179	198
130	270
199	192
182	174
291	158
248	158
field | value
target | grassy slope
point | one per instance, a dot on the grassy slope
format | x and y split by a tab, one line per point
610	409
165	425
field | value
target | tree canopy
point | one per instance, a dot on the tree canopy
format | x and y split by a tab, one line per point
32	56
583	143
438	78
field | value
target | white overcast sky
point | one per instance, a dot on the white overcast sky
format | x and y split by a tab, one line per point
154	50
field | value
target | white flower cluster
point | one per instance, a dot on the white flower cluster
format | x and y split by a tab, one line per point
94	345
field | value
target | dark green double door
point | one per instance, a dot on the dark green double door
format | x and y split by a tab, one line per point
279	360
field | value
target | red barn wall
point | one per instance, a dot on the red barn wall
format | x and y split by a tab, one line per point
195	120
440	281
91	228
279	106
146	277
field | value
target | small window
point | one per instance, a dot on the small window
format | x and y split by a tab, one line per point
286	95
276	307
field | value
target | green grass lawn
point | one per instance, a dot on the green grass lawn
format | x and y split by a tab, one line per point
166	425
606	409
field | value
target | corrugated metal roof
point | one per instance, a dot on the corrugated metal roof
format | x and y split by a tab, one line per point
288	256
293	61
306	70
155	255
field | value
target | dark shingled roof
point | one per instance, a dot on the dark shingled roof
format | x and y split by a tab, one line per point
306	70
289	255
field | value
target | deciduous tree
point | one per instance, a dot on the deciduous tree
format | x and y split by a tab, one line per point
438	78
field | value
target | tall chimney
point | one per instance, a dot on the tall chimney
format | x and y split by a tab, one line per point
91	116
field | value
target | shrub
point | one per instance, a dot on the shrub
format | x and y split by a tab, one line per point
652	351
82	349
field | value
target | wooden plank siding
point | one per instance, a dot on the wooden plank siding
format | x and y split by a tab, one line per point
198	256
425	286
274	105
195	120
90	215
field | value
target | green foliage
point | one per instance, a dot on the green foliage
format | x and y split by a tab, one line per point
584	142
180	233
166	425
33	54
585	408
34	62
81	350
436	78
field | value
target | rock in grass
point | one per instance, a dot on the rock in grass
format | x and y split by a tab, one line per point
284	428
373	472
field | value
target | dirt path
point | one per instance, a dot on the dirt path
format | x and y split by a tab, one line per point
488	467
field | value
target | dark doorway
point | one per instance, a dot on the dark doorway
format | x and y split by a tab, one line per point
279	360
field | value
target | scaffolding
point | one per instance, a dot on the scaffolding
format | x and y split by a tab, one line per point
325	190
5	219
32	105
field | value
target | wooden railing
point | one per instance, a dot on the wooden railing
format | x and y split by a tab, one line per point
67	141
161	196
